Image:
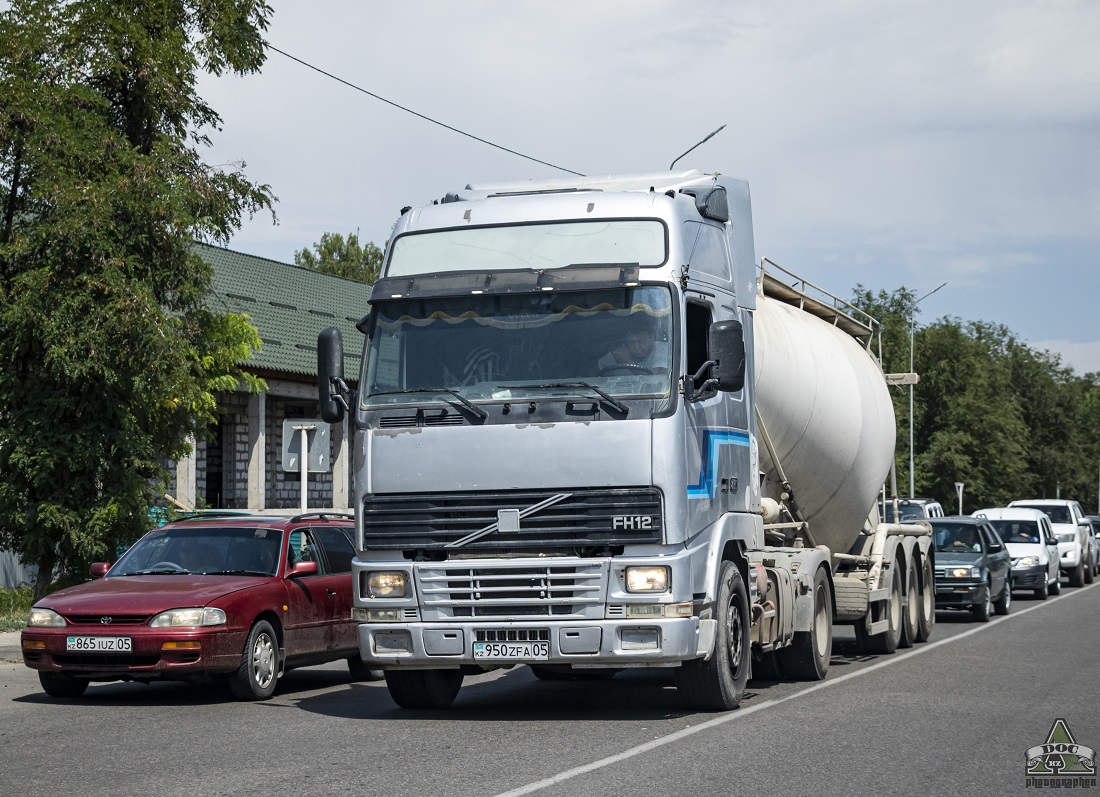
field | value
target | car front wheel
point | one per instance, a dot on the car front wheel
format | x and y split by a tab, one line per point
984	610
259	671
58	685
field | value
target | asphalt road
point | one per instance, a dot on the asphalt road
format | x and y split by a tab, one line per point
953	716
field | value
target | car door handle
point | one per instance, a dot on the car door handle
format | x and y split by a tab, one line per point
332	593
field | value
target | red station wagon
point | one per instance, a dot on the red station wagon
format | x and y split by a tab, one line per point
240	598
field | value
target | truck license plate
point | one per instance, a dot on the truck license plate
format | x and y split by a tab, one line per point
512	650
120	644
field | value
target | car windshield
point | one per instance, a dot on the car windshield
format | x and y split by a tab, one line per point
1017	530
528	346
207	551
956	537
1057	514
905	513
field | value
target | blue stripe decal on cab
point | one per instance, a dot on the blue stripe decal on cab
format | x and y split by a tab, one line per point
708	473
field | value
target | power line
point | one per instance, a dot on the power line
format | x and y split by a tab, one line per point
414	113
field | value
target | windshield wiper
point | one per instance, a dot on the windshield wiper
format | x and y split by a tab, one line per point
476	410
171	571
614	402
235	573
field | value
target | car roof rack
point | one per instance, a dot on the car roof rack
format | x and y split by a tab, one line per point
321	516
206	514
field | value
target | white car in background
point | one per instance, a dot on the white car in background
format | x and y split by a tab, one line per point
1029	537
1072	528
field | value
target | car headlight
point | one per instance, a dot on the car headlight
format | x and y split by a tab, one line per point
647	579
386	584
1067	536
45	618
1026	561
199	616
964	572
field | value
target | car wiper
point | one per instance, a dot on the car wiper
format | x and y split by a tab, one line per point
173	571
476	410
234	573
614	402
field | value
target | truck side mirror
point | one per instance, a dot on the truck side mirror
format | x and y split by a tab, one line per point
726	341
331	388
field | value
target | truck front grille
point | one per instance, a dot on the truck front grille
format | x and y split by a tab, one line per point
512	588
569	518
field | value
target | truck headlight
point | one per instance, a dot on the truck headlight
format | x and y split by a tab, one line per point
647	579
45	618
386	584
200	616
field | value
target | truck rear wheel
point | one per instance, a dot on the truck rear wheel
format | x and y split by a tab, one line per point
807	657
717	683
886	641
927	602
423	688
911	616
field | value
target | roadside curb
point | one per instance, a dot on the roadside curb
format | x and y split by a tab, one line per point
10	650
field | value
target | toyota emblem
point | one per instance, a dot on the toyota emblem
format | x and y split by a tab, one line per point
105	620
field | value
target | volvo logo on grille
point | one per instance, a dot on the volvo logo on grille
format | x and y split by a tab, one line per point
105	620
508	520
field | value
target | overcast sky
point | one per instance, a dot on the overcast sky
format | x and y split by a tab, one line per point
891	144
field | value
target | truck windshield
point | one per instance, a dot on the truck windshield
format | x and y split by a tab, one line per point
617	341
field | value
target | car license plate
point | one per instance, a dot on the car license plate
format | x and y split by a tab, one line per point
121	644
512	650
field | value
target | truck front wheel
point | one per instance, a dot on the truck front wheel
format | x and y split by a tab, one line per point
717	683
423	688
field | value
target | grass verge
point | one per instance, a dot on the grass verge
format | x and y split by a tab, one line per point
14	606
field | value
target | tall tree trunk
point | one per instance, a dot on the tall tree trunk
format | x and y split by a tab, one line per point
42	582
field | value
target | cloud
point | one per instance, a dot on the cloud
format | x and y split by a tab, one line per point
1083	357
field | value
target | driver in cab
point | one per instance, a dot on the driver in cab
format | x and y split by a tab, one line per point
639	350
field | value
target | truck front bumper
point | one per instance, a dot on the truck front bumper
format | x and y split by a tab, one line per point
601	643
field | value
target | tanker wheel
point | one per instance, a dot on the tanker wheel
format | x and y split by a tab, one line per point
927	602
423	688
717	683
910	620
807	657
885	642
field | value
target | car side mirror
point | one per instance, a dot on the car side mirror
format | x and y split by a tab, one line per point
99	569
303	569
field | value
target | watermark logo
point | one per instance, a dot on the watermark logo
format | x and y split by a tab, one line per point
1061	763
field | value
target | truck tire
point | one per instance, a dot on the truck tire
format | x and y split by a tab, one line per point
911	615
423	688
885	642
361	671
717	683
927	602
807	657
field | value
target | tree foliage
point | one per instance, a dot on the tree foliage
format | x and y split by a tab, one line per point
344	257
1006	420
109	359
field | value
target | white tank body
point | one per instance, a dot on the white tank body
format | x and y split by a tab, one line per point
827	409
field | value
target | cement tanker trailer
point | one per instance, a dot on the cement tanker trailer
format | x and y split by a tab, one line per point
828	427
592	434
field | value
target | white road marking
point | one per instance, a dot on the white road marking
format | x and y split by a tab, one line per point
741	713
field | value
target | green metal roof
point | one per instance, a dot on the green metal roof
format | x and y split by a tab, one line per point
289	305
